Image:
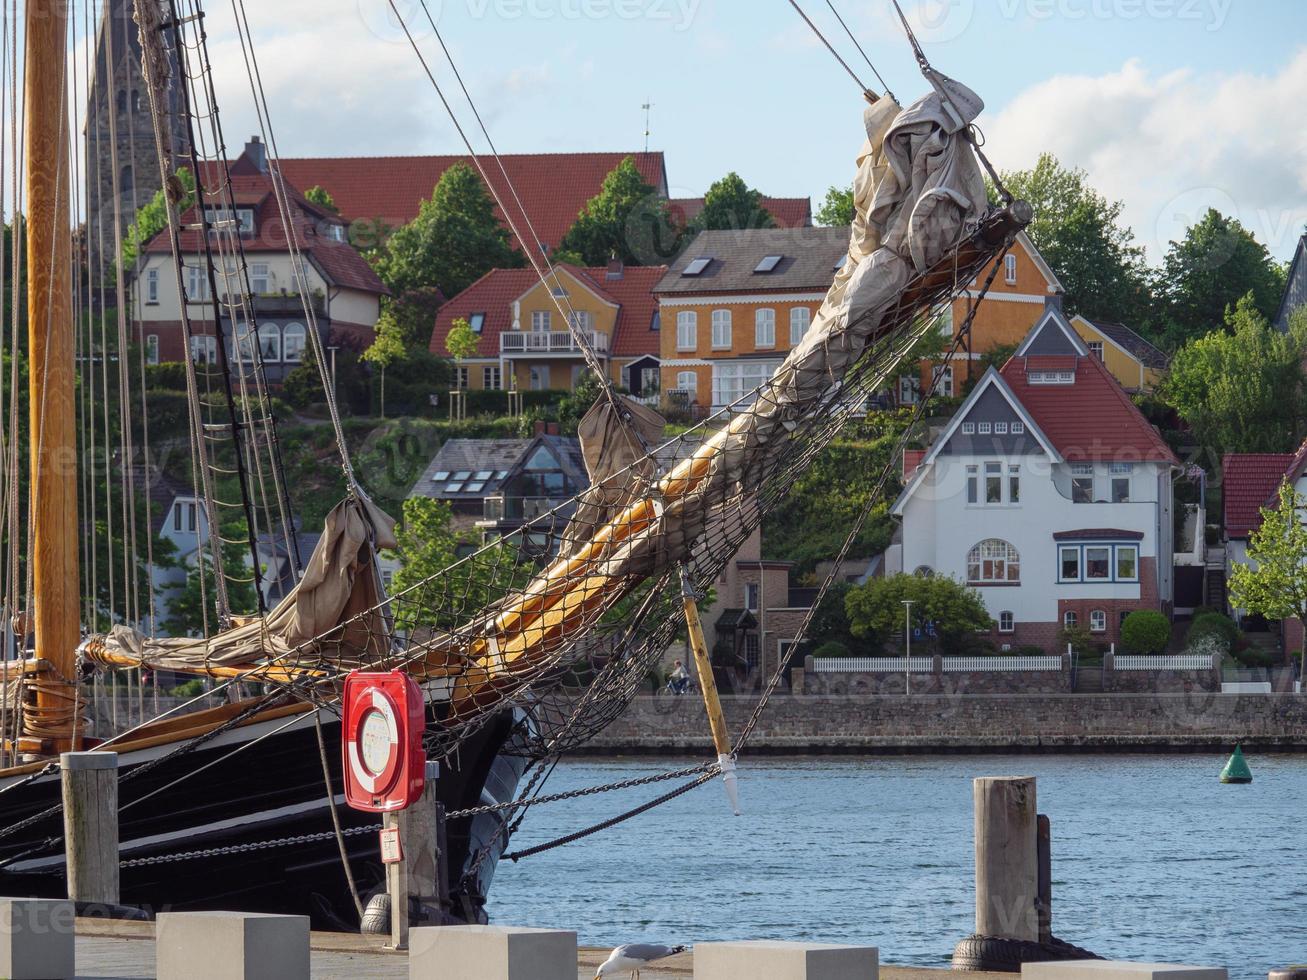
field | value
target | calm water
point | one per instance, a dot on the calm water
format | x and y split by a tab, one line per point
1153	859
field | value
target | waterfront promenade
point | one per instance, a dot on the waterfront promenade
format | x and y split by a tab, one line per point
125	951
1197	721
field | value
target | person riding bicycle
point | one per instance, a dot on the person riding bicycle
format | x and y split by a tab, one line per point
679	679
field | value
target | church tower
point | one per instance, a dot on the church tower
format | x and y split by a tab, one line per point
121	159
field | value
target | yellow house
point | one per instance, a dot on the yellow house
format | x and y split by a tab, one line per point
735	303
1133	361
524	342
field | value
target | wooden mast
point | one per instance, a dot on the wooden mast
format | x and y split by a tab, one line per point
53	488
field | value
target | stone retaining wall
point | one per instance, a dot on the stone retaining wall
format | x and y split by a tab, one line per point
1198	720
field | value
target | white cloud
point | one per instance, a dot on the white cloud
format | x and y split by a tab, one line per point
1171	145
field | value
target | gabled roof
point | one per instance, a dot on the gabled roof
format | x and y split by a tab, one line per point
495	456
553	187
1248	483
1046	270
339	262
1052	334
1091	419
808	257
493	295
1295	286
789	212
991	380
1130	342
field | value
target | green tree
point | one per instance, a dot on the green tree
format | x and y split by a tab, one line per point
1240	389
461	341
732	204
1080	234
1203	276
414	316
186	609
152	217
837	209
321	197
1272	582
454	240
386	349
952	609
627	218
1146	632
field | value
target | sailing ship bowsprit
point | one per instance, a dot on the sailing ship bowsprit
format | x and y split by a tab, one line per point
237	804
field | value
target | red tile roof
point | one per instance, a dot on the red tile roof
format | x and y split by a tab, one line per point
789	212
339	261
1249	481
1091	419
553	187
911	460
493	295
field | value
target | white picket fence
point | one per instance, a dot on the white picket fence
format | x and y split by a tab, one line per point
1179	661
872	665
924	665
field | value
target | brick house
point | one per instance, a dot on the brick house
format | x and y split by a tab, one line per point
1249	483
735	302
525	344
1048	492
344	292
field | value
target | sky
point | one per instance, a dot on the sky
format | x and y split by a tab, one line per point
1170	105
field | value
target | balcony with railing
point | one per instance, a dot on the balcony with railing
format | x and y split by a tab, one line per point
549	342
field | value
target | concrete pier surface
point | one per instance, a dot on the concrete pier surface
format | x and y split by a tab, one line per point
113	950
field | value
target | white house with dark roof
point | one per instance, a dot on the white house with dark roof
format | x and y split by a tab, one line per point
1049	493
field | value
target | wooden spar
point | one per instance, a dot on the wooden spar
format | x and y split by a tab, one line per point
55	583
712	702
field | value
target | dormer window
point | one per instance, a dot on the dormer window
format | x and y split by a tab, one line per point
476	321
768	264
696	267
1051	377
219	219
1096	348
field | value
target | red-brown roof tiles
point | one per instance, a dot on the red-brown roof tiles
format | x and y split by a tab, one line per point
493	294
1248	482
553	187
789	212
1091	419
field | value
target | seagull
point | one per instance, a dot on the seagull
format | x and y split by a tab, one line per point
635	957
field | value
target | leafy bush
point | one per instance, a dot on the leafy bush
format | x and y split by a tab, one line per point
832	648
1079	639
1255	657
1029	650
1212	624
954	609
188	689
1145	631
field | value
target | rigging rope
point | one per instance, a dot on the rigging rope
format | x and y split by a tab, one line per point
831	4
866	91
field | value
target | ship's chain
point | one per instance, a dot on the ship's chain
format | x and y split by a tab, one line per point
576	794
261	845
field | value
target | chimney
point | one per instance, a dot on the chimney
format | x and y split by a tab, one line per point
1053	301
257	154
551	428
540	427
615	267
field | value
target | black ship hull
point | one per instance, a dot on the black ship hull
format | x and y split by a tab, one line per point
254	802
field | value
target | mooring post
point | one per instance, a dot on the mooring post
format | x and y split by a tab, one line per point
422	848
90	797
1007	858
397	879
1044	834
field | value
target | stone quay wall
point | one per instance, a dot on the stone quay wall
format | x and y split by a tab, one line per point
818	724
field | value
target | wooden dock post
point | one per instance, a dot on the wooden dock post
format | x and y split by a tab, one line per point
1007	858
397	880
90	796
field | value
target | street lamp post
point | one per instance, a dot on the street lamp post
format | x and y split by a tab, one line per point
907	646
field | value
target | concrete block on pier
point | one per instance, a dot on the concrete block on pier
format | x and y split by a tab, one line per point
231	946
785	961
1116	970
37	940
490	953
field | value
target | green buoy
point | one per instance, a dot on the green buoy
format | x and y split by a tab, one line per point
1236	770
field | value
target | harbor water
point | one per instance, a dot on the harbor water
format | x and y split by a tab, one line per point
1153	858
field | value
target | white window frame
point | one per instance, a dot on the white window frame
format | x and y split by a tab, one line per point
1018	428
1096	349
973	484
583	320
1098	620
1013	483
1010	269
152	286
968	428
152	348
197	284
260	278
491	377
800	321
721	329
752	596
270	331
291	352
541	321
688	381
1000	428
941	380
764	327
988	552
733	380
984	428
1006	622
204	349
687	330
1070	619
1117	552
1079	473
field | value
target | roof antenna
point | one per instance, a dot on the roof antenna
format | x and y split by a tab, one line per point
646	107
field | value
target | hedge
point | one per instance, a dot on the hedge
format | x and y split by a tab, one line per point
1146	631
